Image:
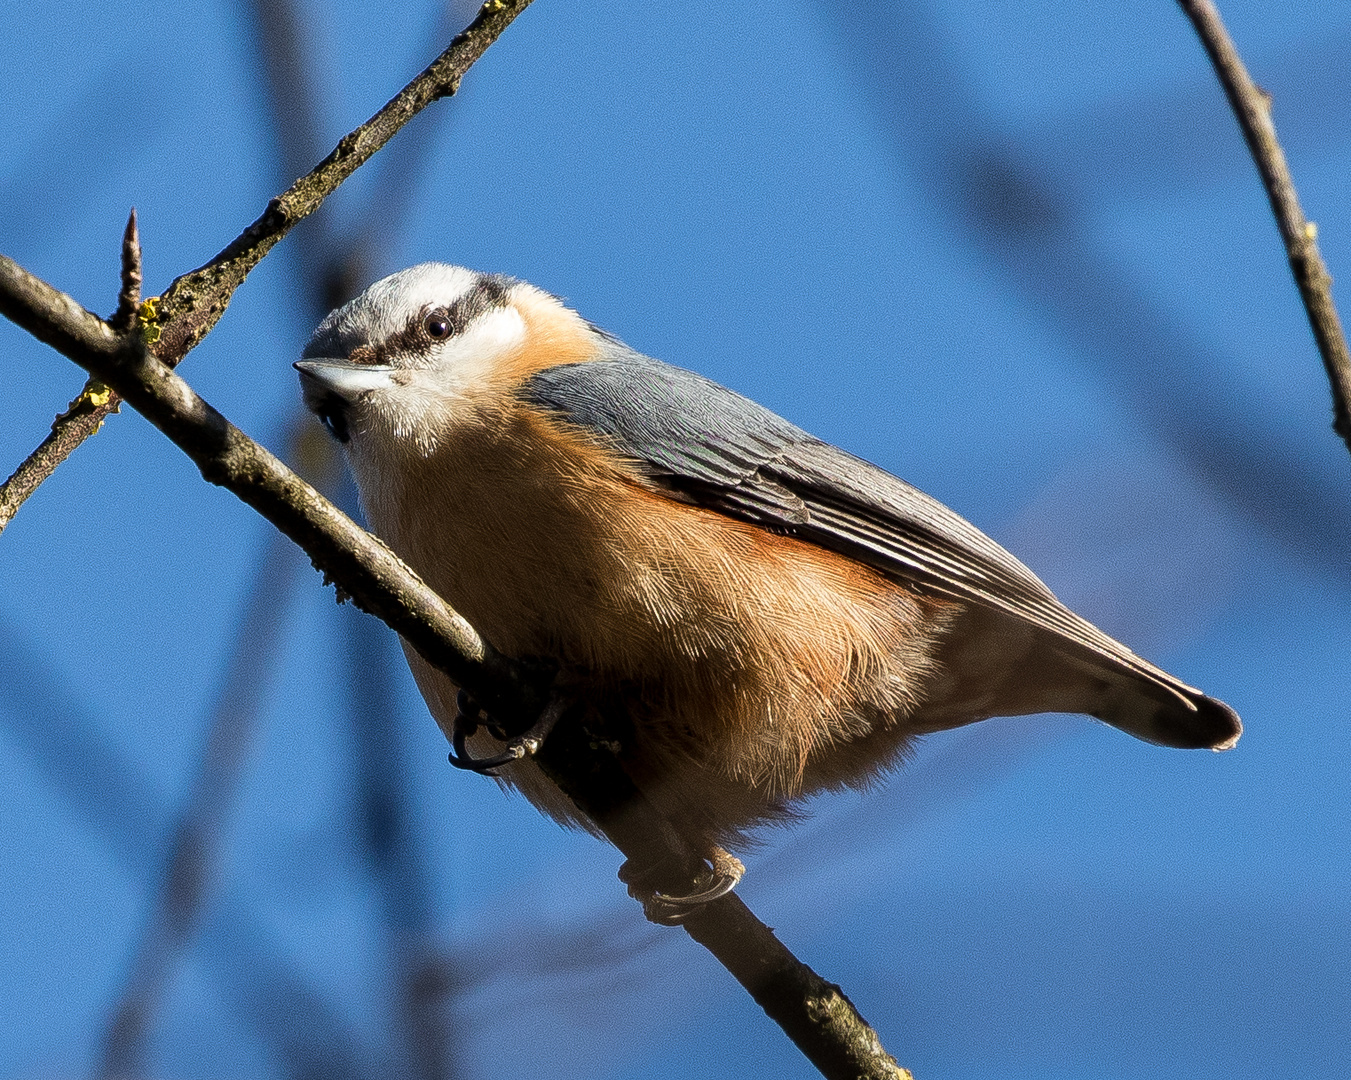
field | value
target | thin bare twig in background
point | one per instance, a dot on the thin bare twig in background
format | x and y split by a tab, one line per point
423	1040
1252	106
330	270
110	795
182	888
195	301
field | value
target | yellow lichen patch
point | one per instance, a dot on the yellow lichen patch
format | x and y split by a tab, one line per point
148	314
96	393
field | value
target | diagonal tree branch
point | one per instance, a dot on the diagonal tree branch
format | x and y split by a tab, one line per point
1252	107
813	1013
82	418
194	303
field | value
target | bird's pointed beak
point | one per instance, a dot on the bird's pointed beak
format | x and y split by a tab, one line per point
331	385
342	377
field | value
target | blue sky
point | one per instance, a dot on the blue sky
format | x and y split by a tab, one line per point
1013	252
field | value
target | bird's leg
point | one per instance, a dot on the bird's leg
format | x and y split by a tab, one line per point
711	874
665	909
470	715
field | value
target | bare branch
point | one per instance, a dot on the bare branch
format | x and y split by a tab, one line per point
82	418
1252	106
194	303
813	1013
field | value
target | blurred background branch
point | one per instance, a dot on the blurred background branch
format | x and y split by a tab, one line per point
190	875
1035	234
328	277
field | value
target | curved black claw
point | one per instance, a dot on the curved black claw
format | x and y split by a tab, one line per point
522	746
667	910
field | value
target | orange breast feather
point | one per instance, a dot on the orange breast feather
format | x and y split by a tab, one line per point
738	653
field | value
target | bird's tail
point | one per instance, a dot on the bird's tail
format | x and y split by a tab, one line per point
1151	705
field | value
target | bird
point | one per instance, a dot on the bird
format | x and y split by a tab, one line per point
773	616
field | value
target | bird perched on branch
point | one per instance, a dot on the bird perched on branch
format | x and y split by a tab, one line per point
774	616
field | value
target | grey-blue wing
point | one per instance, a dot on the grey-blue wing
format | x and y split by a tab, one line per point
706	444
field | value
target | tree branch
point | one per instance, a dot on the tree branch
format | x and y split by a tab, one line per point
82	418
194	303
812	1012
1252	106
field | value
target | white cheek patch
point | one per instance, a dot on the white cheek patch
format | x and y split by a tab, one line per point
423	402
467	362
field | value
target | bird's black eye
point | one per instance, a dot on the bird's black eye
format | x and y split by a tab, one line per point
437	326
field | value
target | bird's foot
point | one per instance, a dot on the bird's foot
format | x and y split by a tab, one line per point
665	909
470	715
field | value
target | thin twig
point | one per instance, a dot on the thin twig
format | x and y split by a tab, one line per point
193	304
129	296
1252	106
812	1012
82	418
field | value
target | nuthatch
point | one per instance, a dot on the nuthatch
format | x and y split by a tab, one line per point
775	616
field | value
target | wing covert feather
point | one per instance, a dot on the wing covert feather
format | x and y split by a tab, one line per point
699	441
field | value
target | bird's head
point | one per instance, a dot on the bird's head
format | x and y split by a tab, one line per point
425	347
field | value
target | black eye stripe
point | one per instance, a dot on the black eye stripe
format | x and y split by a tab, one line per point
484	295
434	325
